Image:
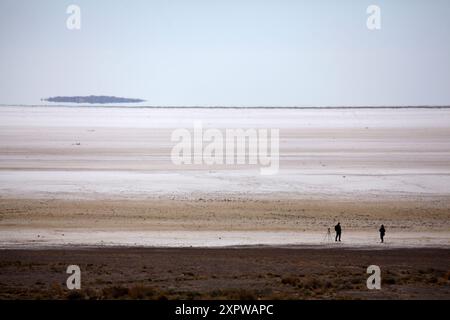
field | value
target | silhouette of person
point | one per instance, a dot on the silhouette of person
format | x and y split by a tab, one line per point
338	230
382	232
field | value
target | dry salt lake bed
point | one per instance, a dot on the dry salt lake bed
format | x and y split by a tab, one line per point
96	187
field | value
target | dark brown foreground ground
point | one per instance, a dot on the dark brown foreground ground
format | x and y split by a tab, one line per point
243	273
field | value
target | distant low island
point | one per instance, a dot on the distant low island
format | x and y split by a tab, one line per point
92	99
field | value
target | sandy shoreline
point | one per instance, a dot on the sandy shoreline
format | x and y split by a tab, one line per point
98	239
30	223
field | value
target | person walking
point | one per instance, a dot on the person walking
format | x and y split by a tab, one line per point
382	233
338	230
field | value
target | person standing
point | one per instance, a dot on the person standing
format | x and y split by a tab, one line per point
382	233
338	230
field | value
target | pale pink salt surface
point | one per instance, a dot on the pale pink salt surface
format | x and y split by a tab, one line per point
36	238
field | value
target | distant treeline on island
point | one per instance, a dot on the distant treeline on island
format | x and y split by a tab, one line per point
92	99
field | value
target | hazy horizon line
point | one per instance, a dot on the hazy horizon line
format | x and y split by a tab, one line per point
227	107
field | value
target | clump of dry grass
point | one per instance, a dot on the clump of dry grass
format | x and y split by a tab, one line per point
234	294
115	292
140	292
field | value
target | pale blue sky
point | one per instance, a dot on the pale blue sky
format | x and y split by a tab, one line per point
228	52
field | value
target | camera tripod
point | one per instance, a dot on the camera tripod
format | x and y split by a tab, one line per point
328	237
